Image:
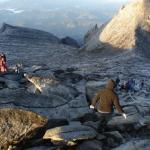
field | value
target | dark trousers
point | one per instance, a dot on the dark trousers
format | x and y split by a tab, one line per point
104	118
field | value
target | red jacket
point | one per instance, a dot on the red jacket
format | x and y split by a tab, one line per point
3	65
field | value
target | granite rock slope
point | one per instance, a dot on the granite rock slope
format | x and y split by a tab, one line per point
128	30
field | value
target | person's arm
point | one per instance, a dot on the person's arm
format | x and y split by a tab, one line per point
95	99
117	105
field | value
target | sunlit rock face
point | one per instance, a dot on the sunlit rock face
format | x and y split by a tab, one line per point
147	10
122	32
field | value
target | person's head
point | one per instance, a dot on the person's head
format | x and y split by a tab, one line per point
2	57
110	84
2	54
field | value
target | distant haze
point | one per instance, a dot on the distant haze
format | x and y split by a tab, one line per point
60	17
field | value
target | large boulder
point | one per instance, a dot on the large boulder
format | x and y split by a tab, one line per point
69	135
18	125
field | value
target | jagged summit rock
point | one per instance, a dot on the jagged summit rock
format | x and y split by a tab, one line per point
92	31
126	29
70	41
27	33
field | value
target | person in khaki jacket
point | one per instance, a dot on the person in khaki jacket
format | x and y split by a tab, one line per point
106	99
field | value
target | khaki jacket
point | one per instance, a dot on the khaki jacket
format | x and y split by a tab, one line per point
106	99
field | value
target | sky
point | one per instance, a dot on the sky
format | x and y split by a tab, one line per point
91	4
115	1
99	1
60	17
3	0
93	0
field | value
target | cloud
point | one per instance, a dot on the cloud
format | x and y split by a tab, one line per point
14	11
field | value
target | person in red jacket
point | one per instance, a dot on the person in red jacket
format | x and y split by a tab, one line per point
3	65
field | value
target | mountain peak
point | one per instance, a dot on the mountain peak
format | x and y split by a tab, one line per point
27	33
122	32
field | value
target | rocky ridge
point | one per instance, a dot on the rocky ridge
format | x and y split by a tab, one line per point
34	45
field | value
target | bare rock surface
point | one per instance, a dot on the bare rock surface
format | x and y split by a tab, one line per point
53	100
135	145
